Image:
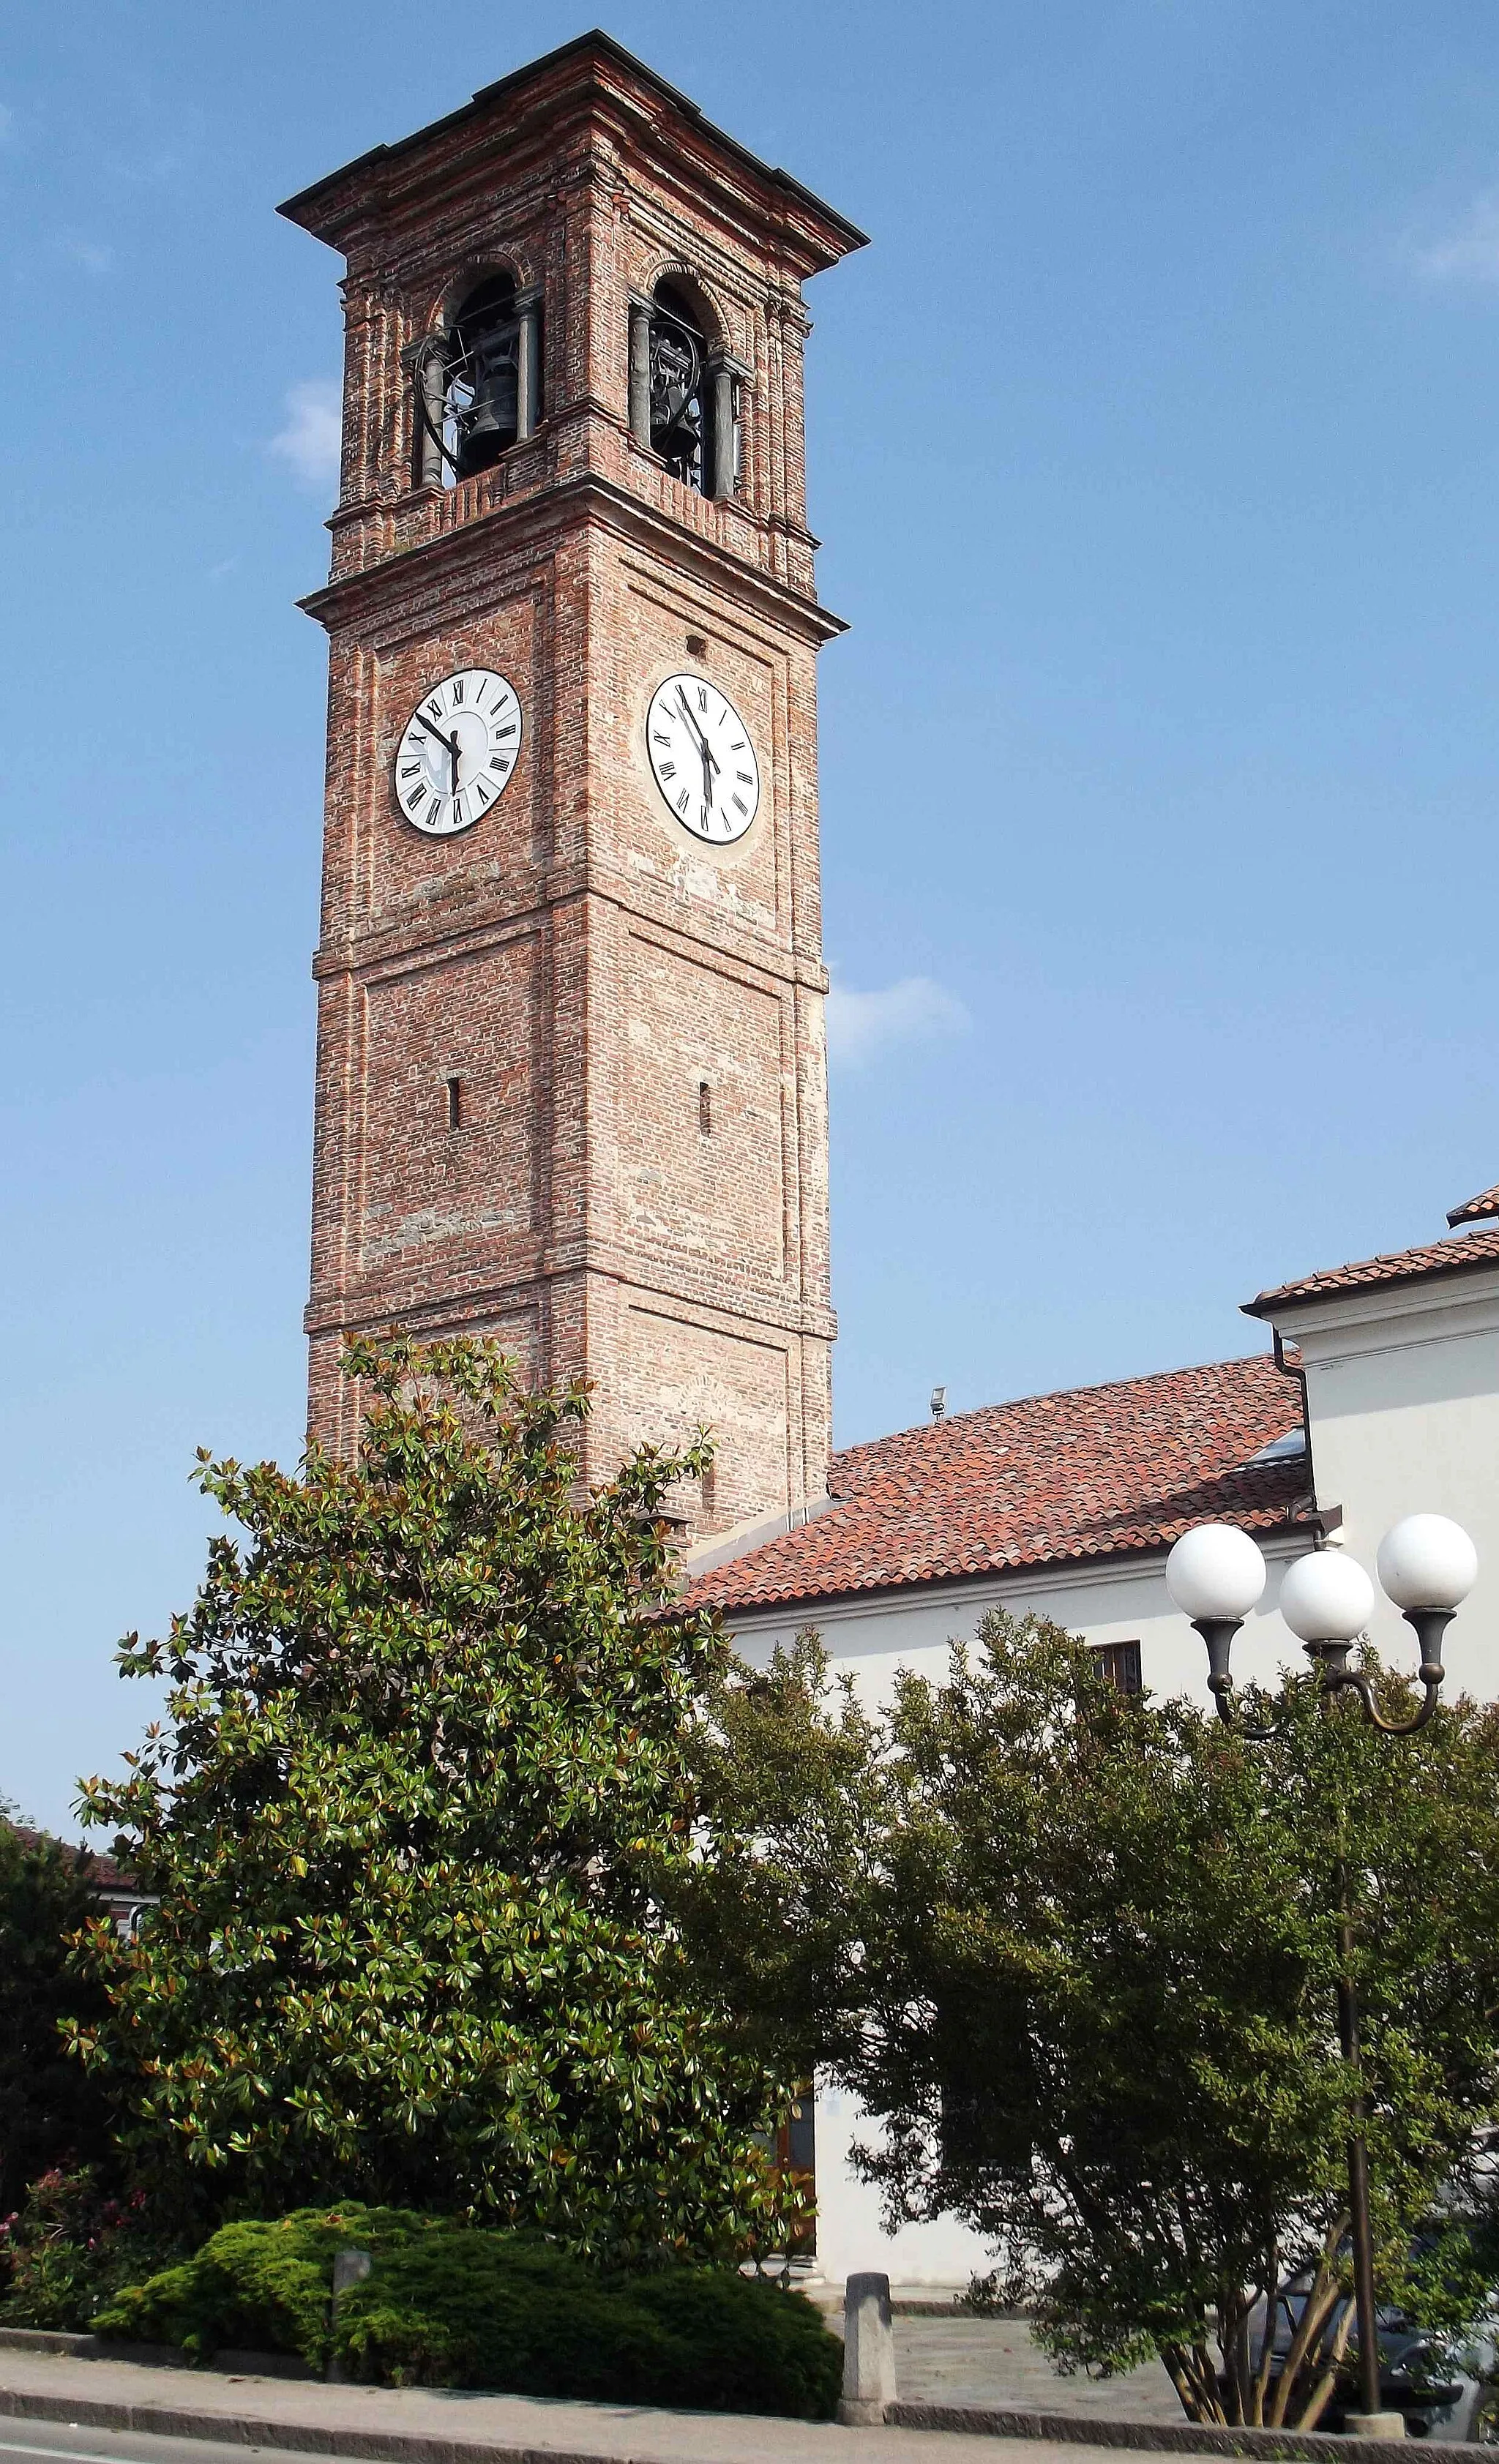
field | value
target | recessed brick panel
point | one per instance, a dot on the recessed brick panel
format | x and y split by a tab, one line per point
677	1377
700	1129
457	1194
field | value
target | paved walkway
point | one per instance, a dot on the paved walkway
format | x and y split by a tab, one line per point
992	2364
442	2427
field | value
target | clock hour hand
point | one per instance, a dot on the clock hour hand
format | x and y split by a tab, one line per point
449	743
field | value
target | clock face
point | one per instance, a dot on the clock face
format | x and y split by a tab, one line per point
702	760
458	751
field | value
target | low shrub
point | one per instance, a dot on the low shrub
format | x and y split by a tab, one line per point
264	2287
69	2247
483	2309
451	2305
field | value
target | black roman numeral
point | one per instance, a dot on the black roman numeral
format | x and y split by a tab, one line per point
458	691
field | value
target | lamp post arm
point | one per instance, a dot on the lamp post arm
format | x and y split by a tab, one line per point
1218	1633
1430	1625
1356	1678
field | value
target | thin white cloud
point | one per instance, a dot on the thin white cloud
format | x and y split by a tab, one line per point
913	1011
311	441
1467	251
91	253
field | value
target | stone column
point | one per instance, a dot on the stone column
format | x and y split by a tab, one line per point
720	474
528	364
868	2352
433	378
640	370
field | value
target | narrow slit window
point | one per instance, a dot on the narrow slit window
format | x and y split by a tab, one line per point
705	1108
454	1102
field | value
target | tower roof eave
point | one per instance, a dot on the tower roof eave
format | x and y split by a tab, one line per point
331	205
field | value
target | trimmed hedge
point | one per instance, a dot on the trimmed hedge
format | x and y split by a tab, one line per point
450	2306
265	2287
483	2310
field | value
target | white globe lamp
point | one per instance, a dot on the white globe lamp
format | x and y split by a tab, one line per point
1215	1575
1427	1562
1326	1598
1215	1572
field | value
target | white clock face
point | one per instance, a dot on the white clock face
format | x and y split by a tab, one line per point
702	760
458	751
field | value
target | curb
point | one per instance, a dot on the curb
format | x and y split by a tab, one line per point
1169	2437
410	2446
300	2437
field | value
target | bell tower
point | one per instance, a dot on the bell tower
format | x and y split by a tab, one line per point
571	1082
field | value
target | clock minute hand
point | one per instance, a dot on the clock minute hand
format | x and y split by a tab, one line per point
704	746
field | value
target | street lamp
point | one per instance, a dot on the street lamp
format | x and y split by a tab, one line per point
1426	1566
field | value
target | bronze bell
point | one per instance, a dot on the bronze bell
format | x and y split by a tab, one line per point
491	422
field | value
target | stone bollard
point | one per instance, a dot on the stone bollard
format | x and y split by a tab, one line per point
868	2352
349	2267
1373	2425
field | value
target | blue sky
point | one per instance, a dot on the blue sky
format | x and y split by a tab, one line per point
1155	442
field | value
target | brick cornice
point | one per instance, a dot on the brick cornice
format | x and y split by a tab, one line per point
533	520
356	1308
385	948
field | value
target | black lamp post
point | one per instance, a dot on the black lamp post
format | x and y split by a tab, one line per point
1427	1566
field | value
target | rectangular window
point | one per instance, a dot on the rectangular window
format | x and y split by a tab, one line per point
1120	1663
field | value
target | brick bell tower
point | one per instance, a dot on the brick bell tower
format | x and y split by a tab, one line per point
571	1083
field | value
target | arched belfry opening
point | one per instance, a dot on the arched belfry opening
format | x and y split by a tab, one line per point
477	382
684	390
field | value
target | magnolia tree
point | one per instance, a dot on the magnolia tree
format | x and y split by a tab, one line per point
420	1792
1078	1956
50	2114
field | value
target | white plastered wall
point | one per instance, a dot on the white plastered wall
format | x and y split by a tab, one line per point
1402	1396
870	1638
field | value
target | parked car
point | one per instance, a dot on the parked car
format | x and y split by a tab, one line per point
1447	2388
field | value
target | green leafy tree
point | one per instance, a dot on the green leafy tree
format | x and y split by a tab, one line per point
420	1790
50	2113
1078	1955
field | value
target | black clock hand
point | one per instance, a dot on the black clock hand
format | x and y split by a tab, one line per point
449	743
705	748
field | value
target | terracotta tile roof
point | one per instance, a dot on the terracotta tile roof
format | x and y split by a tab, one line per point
1402	1266
1477	1210
1101	1471
104	1871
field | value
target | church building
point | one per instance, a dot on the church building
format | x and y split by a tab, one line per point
571	1080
